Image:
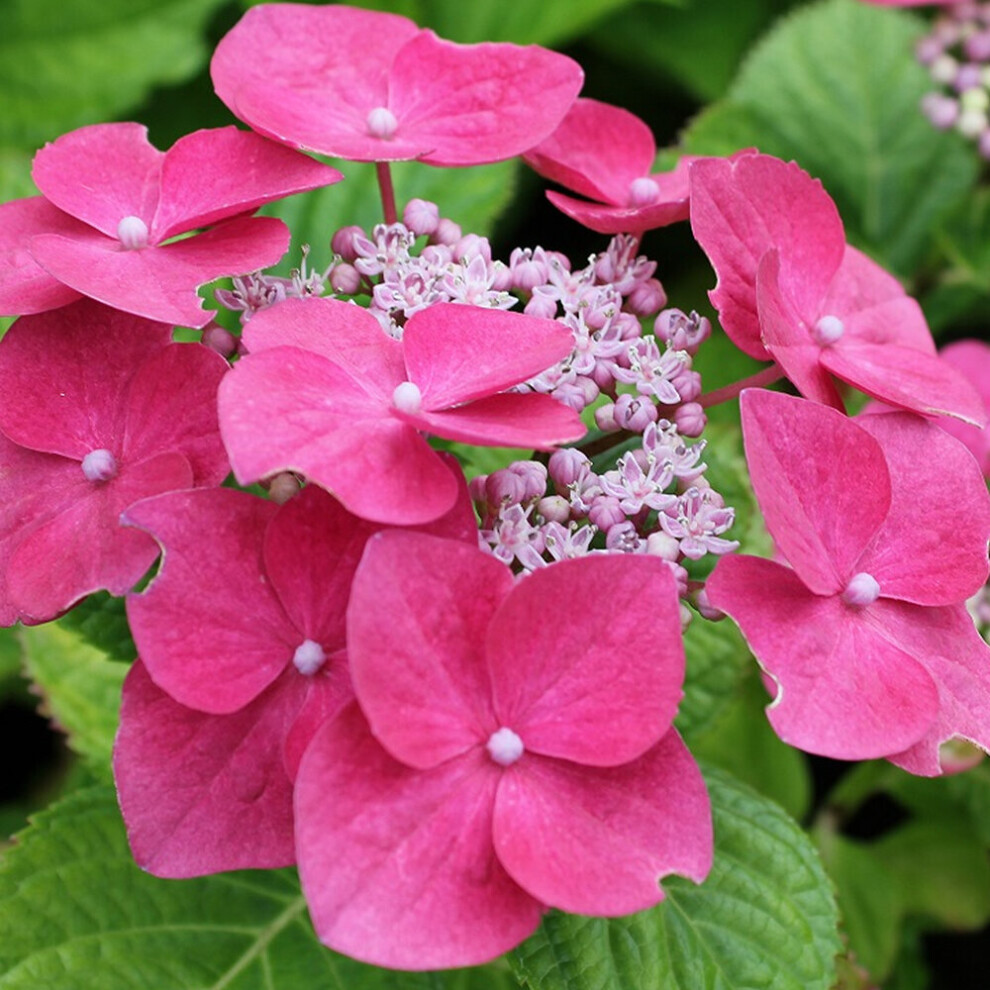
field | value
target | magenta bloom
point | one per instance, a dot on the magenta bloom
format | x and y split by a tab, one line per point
113	206
972	359
790	289
100	409
512	751
370	86
241	637
884	521
607	154
326	392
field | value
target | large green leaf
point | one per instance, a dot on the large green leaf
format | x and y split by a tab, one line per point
80	689
75	912
835	87
101	620
472	197
765	918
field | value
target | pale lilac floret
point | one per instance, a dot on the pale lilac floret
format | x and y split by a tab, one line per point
637	486
652	372
563	543
514	538
697	521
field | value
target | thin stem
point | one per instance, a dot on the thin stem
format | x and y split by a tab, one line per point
388	192
767	376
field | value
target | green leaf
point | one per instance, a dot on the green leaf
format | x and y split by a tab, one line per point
474	198
101	621
10	656
80	688
76	912
835	86
765	918
93	61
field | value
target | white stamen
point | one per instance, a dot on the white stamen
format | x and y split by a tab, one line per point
828	330
643	191
132	232
862	590
99	465
309	657
505	747
407	398
382	123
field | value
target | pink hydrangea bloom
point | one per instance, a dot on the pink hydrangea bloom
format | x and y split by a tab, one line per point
241	638
113	206
325	392
790	289
972	359
506	756
884	521
607	153
371	86
100	409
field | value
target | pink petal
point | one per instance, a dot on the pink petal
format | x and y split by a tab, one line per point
101	174
308	76
211	175
398	865
81	547
596	151
742	208
946	643
25	287
205	793
171	405
624	219
539	422
843	690
65	376
345	334
788	338
591	683
160	283
457	353
904	377
471	104
597	841
821	481
928	551
972	358
416	624
209	628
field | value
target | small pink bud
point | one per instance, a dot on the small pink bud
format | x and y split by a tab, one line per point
567	466
476	489
942	111
344	242
382	123
643	191
421	216
956	755
219	339
554	508
646	297
283	487
705	608
605	418
501	276
99	465
589	388
663	545
345	279
309	657
862	590
606	512
447	232
690	419
437	254
828	330
505	487
132	232
471	246
407	398
505	747
541	304
688	384
534	477
631	412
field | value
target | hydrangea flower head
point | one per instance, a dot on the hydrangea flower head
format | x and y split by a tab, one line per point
326	392
370	86
790	289
503	756
884	522
100	410
113	206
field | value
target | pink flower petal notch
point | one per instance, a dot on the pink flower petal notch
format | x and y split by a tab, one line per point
325	392
495	745
242	640
109	224
369	86
100	410
866	633
791	290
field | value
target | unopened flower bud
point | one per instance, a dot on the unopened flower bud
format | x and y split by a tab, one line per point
447	232
132	232
345	279
477	490
705	608
646	297
688	384
605	418
663	545
505	487
690	419
283	487
634	413
472	246
643	191
541	304
382	123
344	242
606	512
534	476
99	465
421	216
941	111
943	69
567	466
554	508
967	78
219	339
863	589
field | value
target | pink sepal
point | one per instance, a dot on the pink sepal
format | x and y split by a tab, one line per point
972	358
205	793
623	219
398	865
597	841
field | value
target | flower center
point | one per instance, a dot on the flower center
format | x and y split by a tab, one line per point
828	330
407	398
382	123
505	747
309	657
862	590
99	465
133	233
643	191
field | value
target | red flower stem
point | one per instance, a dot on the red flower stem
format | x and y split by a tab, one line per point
387	191
767	376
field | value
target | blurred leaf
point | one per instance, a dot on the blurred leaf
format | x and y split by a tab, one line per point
765	917
11	653
80	689
474	199
235	931
835	86
101	620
